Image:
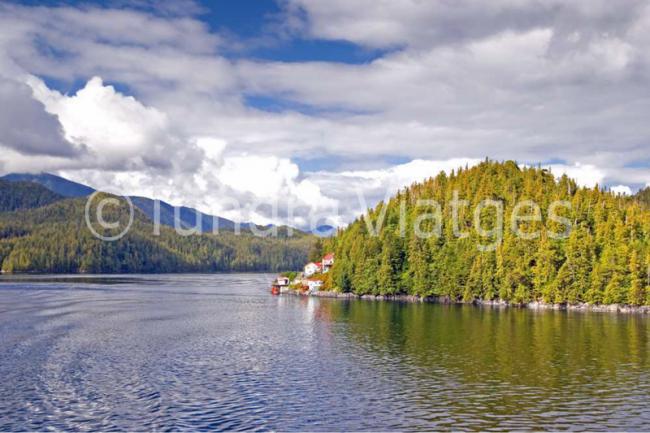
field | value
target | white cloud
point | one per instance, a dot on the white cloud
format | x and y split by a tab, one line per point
260	180
12	161
584	174
359	189
417	24
213	148
244	188
116	130
621	190
268	176
402	175
471	99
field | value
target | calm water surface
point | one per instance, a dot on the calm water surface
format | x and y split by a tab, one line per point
218	352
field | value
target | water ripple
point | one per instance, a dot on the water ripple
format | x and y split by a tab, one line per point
198	353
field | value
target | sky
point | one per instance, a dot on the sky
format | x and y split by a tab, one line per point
295	111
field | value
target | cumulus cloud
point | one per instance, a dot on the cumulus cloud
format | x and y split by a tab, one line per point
357	190
264	190
118	130
584	174
621	190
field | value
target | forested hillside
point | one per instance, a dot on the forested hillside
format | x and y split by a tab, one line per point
605	258
24	195
55	239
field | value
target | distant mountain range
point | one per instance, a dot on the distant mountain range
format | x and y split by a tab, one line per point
186	216
25	195
57	184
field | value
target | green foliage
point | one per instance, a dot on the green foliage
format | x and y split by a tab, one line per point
636	294
55	239
24	195
316	251
604	259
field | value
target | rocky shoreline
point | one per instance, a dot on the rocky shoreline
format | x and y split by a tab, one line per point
613	308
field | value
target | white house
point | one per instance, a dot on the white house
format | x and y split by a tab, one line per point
328	262
314	285
312	268
282	281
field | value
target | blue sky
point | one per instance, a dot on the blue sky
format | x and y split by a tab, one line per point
310	102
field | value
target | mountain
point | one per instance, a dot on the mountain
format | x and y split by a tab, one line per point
588	245
56	239
186	215
57	184
25	195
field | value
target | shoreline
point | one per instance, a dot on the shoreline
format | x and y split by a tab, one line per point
611	308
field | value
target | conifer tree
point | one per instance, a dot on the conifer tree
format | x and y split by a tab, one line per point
544	270
474	285
418	267
636	294
386	277
595	293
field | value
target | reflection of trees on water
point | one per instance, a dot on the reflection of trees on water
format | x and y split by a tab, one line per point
501	362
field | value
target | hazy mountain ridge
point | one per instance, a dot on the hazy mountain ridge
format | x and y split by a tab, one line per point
57	184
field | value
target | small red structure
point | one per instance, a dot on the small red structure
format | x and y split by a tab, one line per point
281	282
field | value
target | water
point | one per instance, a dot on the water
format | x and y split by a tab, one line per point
219	353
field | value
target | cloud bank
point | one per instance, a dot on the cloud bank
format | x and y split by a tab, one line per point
155	105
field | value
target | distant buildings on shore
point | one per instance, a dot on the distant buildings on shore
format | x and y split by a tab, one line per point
321	267
308	280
